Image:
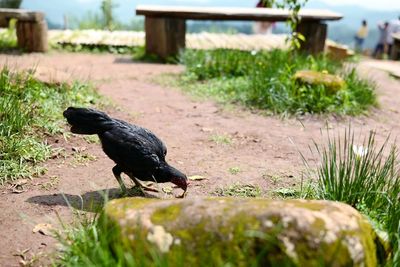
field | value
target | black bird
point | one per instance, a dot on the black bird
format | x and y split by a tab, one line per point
136	151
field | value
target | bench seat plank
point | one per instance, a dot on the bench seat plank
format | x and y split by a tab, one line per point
231	13
165	25
21	14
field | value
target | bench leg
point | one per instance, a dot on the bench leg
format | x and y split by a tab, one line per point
315	34
32	36
165	37
395	50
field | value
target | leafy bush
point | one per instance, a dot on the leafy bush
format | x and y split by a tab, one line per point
264	79
28	110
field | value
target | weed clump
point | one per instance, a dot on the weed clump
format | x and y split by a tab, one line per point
30	111
365	176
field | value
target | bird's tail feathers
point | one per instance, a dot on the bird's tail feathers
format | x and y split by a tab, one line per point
87	121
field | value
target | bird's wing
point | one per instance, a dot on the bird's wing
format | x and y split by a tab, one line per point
158	145
129	145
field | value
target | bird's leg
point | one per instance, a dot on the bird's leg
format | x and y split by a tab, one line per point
141	186
117	173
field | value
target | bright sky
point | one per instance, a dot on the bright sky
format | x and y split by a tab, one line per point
372	4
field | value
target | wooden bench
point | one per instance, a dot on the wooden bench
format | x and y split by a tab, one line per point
165	26
31	28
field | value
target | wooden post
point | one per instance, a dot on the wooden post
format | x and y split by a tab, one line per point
165	37
315	33
395	49
32	35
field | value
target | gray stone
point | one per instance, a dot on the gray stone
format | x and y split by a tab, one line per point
217	231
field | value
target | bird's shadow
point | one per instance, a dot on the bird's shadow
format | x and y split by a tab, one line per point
92	201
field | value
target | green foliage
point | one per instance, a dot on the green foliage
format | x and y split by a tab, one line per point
104	20
89	243
10	3
28	110
96	48
366	177
8	37
264	80
91	20
239	190
221	139
107	7
294	7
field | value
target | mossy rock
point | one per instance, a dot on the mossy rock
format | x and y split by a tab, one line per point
332	83
244	232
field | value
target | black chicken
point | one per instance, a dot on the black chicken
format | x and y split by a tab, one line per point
136	150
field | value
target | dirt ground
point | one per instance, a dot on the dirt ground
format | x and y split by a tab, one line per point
264	149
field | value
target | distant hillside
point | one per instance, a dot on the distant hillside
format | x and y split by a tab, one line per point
342	31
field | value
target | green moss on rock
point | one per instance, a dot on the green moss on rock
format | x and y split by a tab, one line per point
332	83
245	232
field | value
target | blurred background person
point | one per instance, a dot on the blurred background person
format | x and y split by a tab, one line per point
382	41
361	36
263	27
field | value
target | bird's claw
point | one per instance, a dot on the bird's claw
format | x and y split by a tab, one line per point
150	189
183	195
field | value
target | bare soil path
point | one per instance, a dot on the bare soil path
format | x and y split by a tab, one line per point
260	146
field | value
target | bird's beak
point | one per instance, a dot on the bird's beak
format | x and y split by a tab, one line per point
181	183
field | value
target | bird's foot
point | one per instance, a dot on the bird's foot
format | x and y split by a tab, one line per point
150	189
137	191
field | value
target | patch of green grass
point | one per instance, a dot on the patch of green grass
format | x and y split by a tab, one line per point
30	111
83	158
51	184
91	139
265	80
239	190
365	176
221	139
95	48
286	192
89	242
273	178
234	170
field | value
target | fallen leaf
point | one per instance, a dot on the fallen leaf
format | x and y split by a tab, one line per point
167	189
44	229
197	178
79	149
206	130
18	191
21	182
